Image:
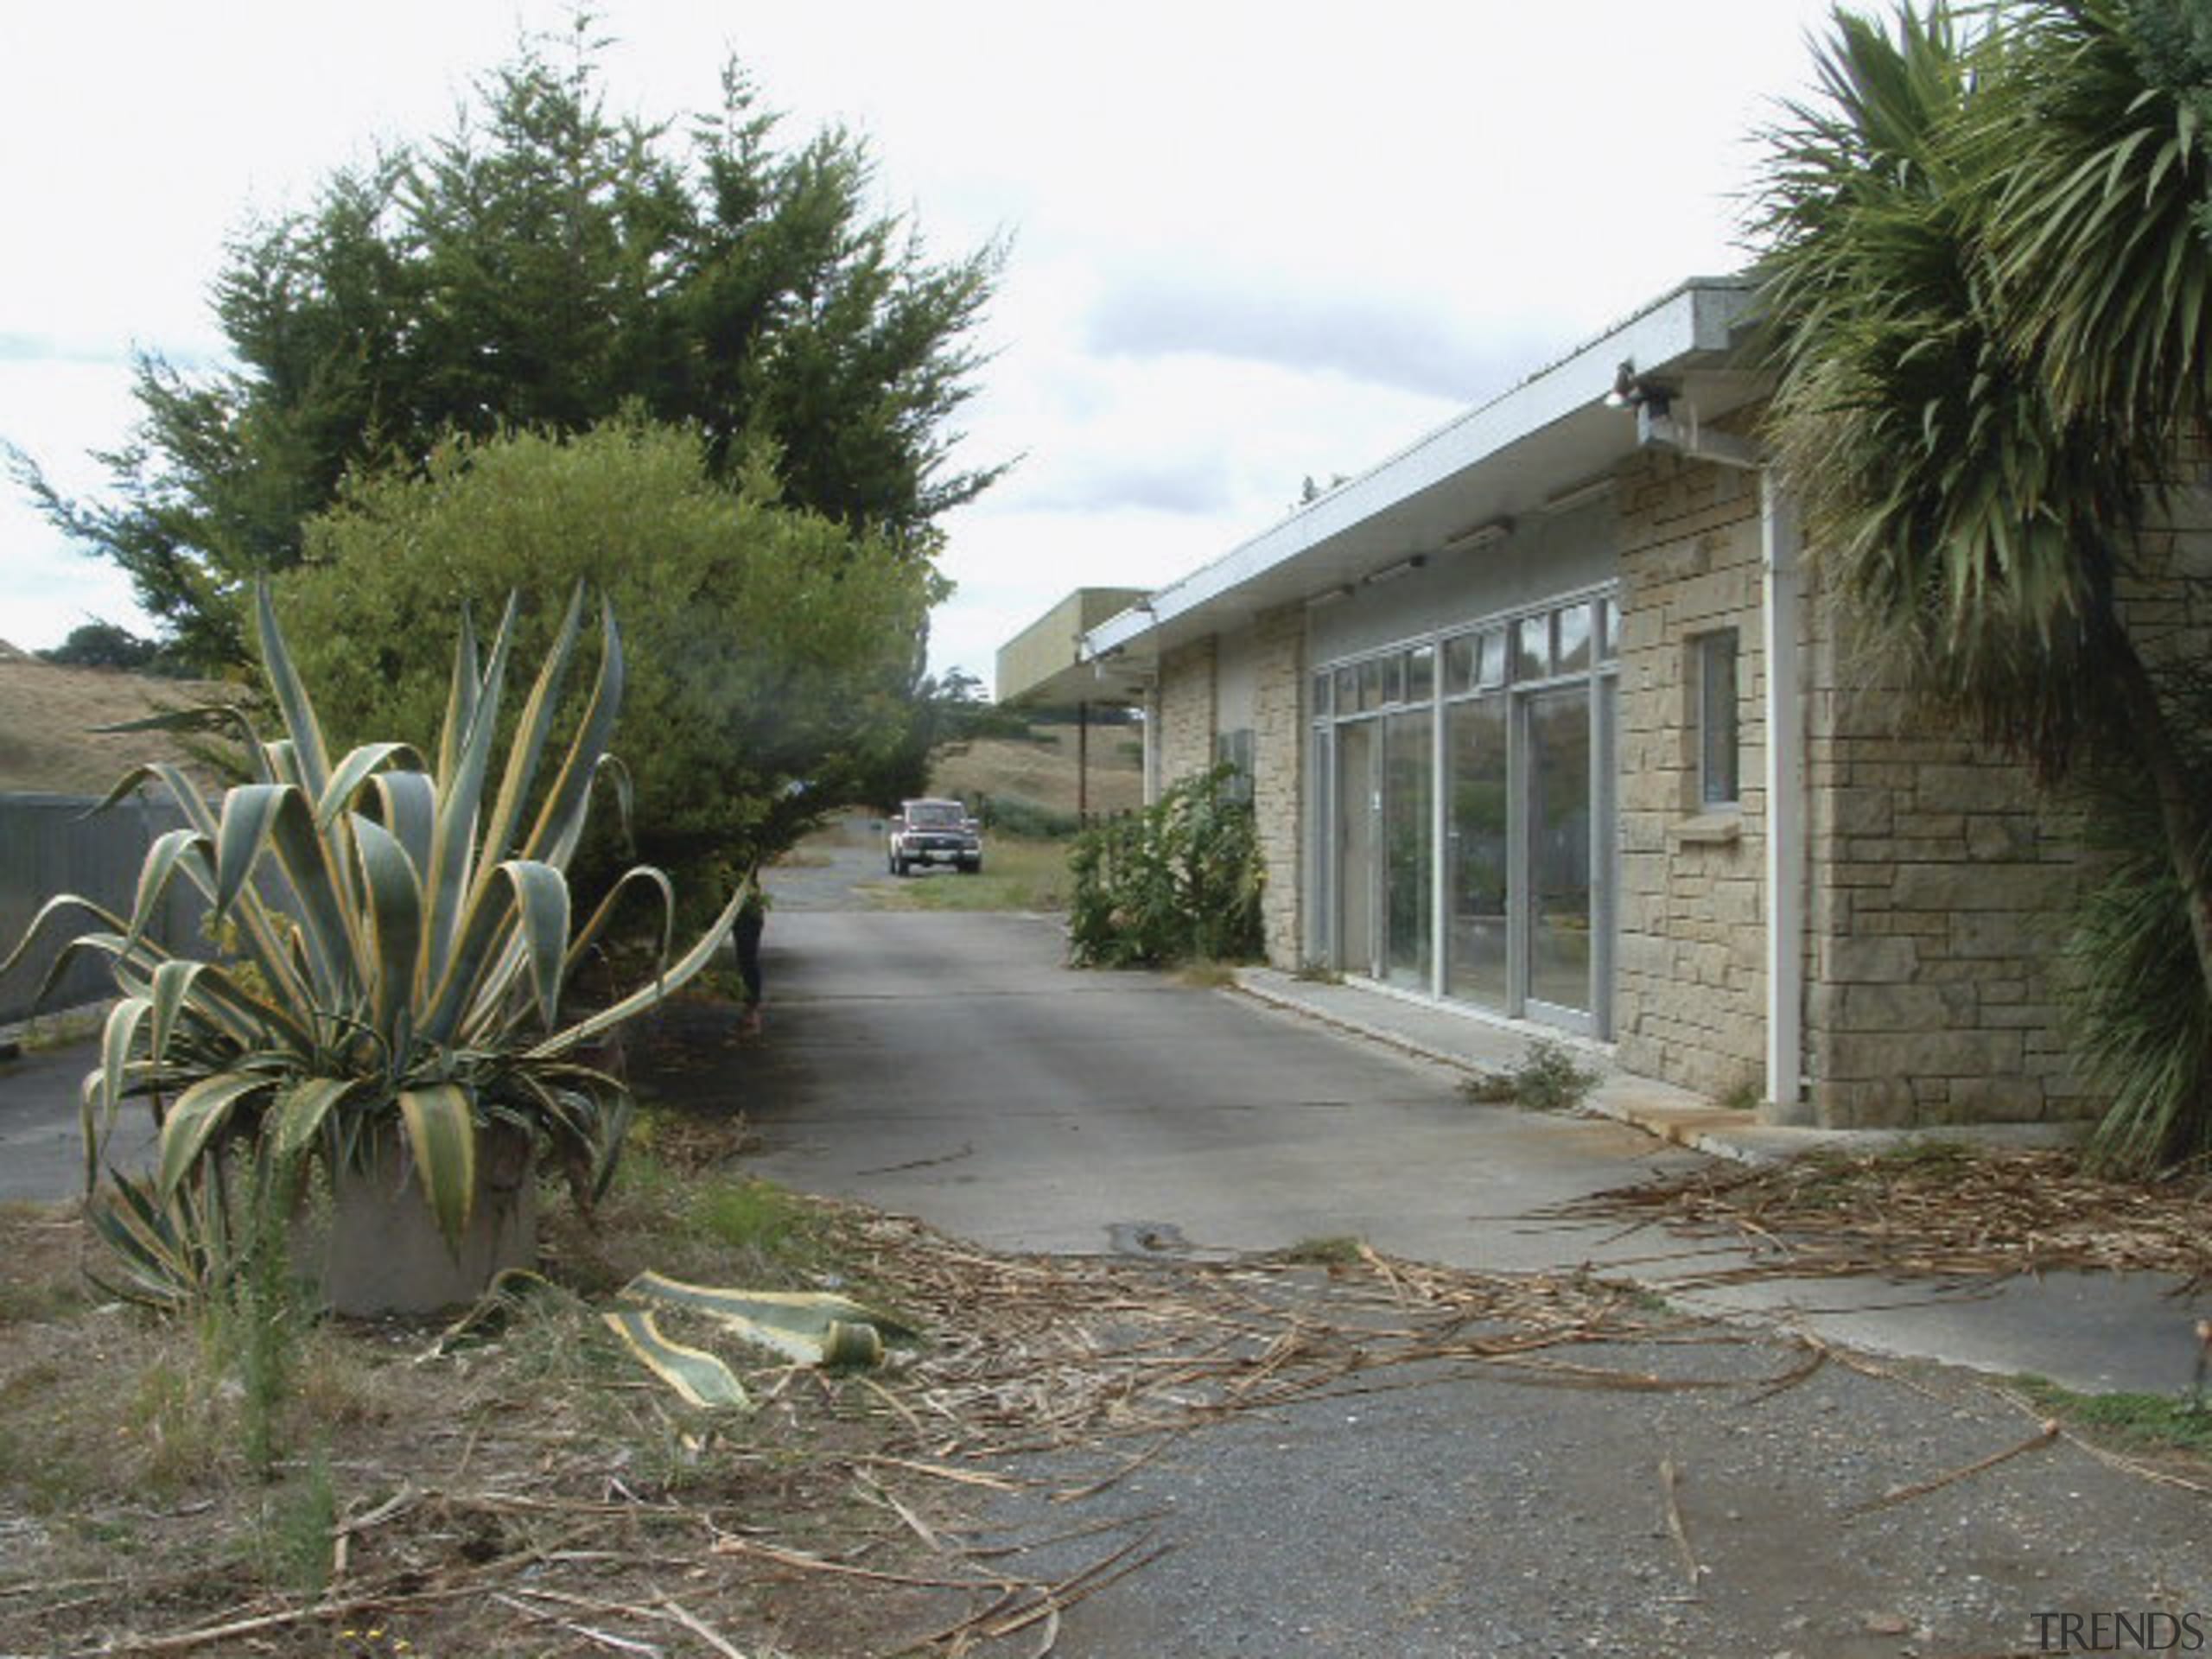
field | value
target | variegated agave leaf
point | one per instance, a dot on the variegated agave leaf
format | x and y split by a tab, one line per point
399	936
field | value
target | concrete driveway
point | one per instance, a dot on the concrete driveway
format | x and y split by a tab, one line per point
948	1066
42	1140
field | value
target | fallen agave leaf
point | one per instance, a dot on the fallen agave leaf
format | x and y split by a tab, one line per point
811	1327
698	1377
808	1327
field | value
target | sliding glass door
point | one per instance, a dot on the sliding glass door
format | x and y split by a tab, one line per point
1478	844
1409	837
1470	843
1358	804
1560	892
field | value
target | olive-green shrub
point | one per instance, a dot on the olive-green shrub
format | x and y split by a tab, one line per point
1179	881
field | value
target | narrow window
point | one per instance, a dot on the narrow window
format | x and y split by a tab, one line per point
1420	673
1489	672
1459	664
1718	779
1532	647
1574	638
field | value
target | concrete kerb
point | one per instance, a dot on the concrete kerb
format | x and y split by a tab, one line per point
2091	1332
1485	1048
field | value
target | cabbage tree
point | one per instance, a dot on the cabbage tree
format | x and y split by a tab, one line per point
1986	273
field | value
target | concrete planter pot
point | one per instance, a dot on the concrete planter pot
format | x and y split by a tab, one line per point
382	1251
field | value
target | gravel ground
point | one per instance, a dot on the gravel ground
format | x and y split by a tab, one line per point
1476	1515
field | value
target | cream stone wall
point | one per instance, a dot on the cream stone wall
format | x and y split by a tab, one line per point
1187	711
1939	882
1942	880
1279	745
1267	669
1689	979
1936	878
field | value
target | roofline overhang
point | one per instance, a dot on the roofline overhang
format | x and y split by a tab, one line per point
1698	324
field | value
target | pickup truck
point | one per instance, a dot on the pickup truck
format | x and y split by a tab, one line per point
935	832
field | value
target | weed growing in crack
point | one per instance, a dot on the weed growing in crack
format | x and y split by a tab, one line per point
1548	1078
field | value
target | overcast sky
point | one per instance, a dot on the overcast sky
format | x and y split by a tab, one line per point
1249	243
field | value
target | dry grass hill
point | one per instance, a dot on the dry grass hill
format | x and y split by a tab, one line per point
49	743
1040	769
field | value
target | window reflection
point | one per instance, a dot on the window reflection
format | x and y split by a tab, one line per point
1421	674
1574	654
1459	664
1532	648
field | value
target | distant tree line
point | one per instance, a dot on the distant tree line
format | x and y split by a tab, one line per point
106	644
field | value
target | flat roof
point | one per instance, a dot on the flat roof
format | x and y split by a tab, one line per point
1042	666
1522	451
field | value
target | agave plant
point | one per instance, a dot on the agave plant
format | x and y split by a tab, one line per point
402	937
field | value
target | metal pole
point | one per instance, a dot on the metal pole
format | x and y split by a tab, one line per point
1083	762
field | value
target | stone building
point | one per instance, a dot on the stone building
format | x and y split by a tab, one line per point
1542	721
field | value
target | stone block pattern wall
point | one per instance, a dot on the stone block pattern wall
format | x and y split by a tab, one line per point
2168	598
1279	743
1690	975
1942	880
1939	882
1187	710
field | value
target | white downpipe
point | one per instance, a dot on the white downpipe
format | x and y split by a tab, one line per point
1785	801
1779	590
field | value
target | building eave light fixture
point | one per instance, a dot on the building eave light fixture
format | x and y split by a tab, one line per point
1335	595
1488	533
1404	567
1580	495
1640	392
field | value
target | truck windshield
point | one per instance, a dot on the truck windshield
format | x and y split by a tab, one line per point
934	815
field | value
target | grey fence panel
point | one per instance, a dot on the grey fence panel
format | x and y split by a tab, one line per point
49	845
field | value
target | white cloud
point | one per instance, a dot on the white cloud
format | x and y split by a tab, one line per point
1371	337
1250	242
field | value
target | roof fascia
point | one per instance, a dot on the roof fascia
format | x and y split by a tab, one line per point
1698	317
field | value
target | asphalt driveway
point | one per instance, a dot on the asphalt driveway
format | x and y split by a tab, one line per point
948	1066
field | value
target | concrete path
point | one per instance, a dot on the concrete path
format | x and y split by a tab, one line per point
949	1067
41	1144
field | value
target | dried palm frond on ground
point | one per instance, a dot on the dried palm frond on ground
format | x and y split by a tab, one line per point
535	1487
1039	1351
530	1491
1931	1208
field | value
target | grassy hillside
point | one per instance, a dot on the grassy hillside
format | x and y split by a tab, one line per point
1042	771
49	743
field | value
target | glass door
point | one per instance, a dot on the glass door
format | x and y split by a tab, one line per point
1561	914
1478	853
1409	838
1358	808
